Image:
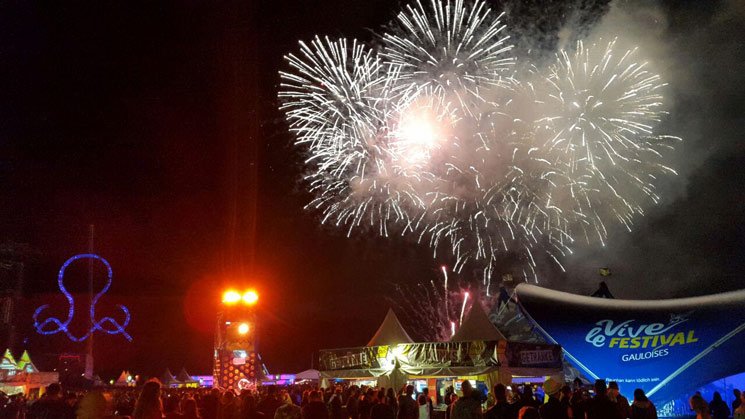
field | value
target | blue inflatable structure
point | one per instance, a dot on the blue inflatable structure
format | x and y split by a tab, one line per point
665	347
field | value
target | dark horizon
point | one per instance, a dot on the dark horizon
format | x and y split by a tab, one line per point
158	123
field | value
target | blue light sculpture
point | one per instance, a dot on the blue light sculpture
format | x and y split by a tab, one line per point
113	327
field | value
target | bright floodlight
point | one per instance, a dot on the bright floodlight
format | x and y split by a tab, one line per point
231	297
243	328
250	297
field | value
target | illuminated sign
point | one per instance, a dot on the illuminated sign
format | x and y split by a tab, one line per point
664	347
109	325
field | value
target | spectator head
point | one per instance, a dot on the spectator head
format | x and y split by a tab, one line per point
566	391
613	388
577	383
699	405
286	399
736	392
425	391
95	405
500	392
600	387
54	390
171	405
409	390
639	395
466	388
529	412
717	397
189	407
381	395
315	396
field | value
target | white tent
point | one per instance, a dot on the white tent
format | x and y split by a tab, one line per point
477	326
390	332
314	375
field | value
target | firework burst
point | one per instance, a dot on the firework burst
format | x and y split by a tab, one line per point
439	135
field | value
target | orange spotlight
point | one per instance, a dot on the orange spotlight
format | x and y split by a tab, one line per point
250	297
243	328
231	297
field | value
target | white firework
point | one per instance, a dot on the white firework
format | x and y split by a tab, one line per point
455	50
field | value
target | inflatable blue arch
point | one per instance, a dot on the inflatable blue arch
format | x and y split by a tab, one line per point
665	347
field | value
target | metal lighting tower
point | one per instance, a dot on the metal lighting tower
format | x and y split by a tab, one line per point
236	363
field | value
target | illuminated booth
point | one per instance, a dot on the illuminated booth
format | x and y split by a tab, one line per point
665	347
478	352
236	363
22	377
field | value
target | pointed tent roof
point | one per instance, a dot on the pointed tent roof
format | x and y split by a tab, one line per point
122	380
390	332
476	326
308	375
167	378
26	364
184	376
8	362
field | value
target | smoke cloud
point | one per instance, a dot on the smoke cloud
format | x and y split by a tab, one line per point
692	243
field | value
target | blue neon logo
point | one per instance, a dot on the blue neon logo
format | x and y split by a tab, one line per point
107	324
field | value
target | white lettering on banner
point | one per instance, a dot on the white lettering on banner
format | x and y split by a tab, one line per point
536	357
607	329
644	355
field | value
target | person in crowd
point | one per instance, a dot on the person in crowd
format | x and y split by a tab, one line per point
269	405
527	398
228	406
172	407
367	403
211	404
391	399
528	412
407	406
335	404
449	409
468	406
430	407
353	403
736	401
423	407
739	413
449	391
718	407
316	408
382	409
149	405
579	400
289	410
622	403
189	408
642	408
600	406
565	398
95	405
52	405
553	408
501	408
699	406
249	406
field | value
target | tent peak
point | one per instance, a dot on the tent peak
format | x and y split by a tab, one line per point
390	332
477	326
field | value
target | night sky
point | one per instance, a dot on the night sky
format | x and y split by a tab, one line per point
157	122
